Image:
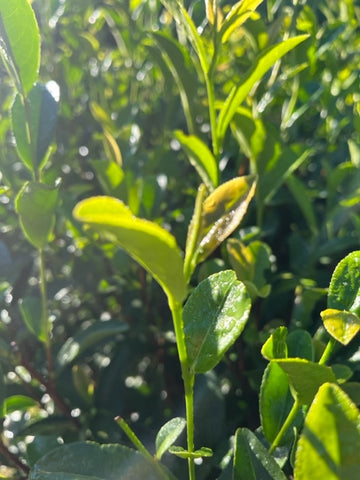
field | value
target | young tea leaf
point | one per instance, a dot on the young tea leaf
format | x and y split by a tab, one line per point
275	346
149	244
266	60
251	459
340	324
201	158
168	434
305	377
214	316
20	42
36	204
330	440
238	14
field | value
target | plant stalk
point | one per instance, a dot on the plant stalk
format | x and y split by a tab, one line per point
188	378
328	351
286	425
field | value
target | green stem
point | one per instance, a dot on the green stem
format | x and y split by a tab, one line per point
328	351
286	425
188	378
44	316
212	114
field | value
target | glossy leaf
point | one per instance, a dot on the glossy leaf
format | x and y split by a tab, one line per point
20	42
238	94
148	243
88	338
39	116
214	316
330	440
90	461
221	213
36	204
30	308
238	14
275	346
305	377
251	264
275	403
251	459
201	158
344	288
182	453
340	324
168	434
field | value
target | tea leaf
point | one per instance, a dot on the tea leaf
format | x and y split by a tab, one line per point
251	459
90	461
275	346
238	14
300	344
30	308
214	316
238	94
36	204
330	440
305	377
39	114
182	453
344	288
20	42
275	403
341	325
168	434
222	212
201	158
148	243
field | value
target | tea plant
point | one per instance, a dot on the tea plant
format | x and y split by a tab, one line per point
309	422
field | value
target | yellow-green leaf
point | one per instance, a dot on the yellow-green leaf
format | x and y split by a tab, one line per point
341	324
148	243
329	444
238	14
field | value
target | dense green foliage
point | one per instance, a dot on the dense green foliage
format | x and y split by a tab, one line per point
179	242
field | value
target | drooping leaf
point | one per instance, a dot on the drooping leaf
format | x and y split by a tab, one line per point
31	311
251	459
344	288
265	61
168	434
38	119
87	338
238	14
36	204
201	158
341	324
214	316
20	42
148	243
179	63
221	213
90	461
112	149
275	403
305	377
275	346
330	440
251	263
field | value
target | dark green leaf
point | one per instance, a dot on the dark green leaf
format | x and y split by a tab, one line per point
90	461
88	338
31	311
300	344
20	42
36	204
330	440
214	316
251	459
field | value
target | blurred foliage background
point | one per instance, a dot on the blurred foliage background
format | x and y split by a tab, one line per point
119	108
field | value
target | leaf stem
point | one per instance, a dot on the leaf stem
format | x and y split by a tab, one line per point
44	316
328	351
188	378
286	425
